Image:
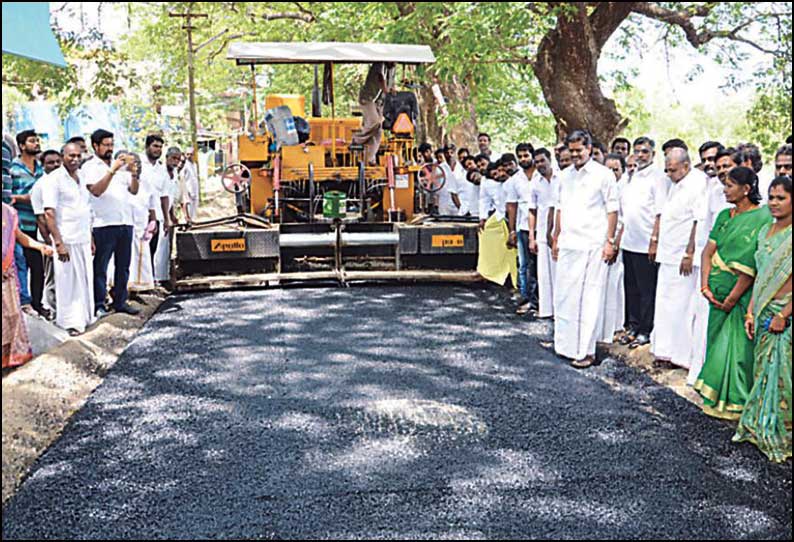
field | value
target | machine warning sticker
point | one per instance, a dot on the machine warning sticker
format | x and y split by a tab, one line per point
227	245
401	181
448	241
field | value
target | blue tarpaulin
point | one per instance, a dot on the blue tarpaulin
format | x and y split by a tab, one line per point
27	32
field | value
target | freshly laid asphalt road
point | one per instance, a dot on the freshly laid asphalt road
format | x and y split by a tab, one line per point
385	412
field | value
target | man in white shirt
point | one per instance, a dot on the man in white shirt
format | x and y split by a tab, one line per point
110	190
484	144
155	175
492	198
191	183
643	197
717	202
587	217
542	200
448	200
469	189
144	204
162	258
67	206
679	276
50	160
517	195
614	314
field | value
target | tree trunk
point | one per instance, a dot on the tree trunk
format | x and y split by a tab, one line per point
460	93
567	68
436	130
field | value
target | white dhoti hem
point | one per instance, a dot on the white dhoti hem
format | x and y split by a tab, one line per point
580	289
699	337
141	273
193	208
614	302
74	288
674	318
49	283
162	258
546	268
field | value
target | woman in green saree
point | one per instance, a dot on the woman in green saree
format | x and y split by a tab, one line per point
727	274
766	421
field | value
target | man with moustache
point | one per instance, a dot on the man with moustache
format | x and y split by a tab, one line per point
110	184
584	241
643	197
26	170
517	194
67	206
542	196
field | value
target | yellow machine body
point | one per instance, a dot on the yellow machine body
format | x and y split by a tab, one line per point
328	151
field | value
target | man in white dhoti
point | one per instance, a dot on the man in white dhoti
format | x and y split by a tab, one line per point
700	303
155	175
191	181
686	206
542	201
586	221
469	189
67	206
162	258
144	226
615	299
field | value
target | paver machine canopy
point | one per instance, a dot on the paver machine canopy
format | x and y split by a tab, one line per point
303	189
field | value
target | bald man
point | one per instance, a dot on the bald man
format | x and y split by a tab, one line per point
67	208
675	308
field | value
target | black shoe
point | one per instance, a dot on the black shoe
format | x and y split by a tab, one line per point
627	337
126	308
641	340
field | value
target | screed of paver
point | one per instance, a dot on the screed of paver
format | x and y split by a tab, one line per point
385	412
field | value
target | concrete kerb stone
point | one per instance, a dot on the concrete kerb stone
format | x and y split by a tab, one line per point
40	397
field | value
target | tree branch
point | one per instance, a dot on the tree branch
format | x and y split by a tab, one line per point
406	8
682	19
697	37
306	17
219	50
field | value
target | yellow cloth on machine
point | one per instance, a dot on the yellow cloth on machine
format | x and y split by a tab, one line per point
495	261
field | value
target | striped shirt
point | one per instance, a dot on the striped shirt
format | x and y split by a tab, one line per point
22	181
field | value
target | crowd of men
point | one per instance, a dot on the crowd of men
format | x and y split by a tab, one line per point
109	218
607	243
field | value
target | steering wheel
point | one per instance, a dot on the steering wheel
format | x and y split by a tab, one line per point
432	178
236	178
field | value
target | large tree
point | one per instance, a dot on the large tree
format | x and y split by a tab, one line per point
566	63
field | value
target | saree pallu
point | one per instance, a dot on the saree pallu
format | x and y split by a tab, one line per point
15	342
727	374
766	421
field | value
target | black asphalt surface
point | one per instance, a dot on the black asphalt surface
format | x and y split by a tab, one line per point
385	412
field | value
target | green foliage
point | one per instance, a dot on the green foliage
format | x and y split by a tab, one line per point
489	46
108	72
